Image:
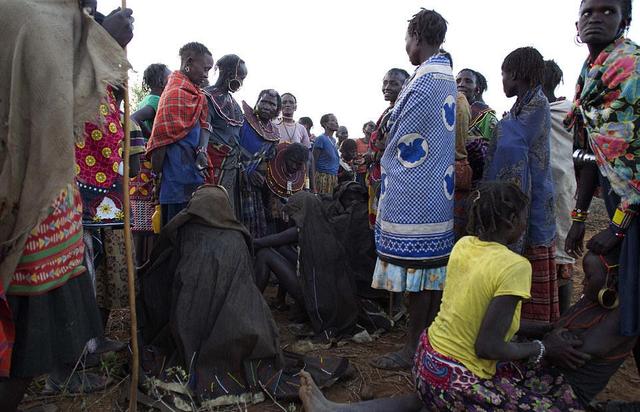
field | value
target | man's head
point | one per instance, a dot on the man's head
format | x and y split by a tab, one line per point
289	105
307	123
342	133
426	30
368	128
348	150
392	84
329	122
195	62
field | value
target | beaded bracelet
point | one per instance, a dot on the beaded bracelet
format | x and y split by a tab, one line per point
622	219
578	215
542	351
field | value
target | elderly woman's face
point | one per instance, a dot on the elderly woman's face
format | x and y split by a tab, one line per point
267	107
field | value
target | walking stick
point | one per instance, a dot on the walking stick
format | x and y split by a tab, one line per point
128	246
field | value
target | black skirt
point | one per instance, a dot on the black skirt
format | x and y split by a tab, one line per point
53	328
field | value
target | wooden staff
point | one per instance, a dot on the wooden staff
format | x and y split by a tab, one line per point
133	401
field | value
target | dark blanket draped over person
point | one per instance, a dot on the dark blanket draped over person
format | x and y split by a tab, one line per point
199	309
198	303
336	257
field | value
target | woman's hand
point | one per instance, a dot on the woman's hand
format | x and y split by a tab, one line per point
574	245
560	349
119	24
603	242
202	164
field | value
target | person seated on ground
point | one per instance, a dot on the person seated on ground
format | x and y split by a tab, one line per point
199	310
286	175
348	155
467	359
328	276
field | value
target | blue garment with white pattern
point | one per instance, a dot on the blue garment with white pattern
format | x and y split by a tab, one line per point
520	153
415	211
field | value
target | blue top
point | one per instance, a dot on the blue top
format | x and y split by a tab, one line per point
519	153
180	177
329	159
254	148
415	210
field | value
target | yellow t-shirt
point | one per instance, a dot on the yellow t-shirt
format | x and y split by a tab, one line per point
477	272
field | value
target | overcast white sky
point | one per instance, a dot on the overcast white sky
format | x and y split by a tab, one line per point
332	54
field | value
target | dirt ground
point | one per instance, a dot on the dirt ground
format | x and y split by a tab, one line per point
366	382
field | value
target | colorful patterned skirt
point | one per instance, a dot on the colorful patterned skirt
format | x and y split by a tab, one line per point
52	305
393	278
325	183
141	195
444	384
544	305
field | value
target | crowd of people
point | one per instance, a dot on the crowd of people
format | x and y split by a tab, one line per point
470	222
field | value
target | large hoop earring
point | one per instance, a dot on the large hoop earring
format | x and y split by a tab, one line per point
608	298
577	40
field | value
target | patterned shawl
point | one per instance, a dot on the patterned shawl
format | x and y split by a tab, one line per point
483	120
182	104
414	227
606	116
520	153
47	48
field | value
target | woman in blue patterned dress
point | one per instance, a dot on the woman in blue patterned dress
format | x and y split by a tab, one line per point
414	226
519	153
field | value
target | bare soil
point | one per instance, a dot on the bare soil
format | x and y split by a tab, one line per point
366	382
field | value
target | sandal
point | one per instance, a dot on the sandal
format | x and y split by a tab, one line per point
392	361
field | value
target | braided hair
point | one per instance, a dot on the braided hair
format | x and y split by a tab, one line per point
428	26
552	75
153	76
527	64
492	207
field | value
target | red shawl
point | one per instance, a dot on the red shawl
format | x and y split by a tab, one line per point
181	105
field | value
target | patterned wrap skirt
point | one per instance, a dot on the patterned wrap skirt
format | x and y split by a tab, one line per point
544	305
393	278
444	384
325	183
